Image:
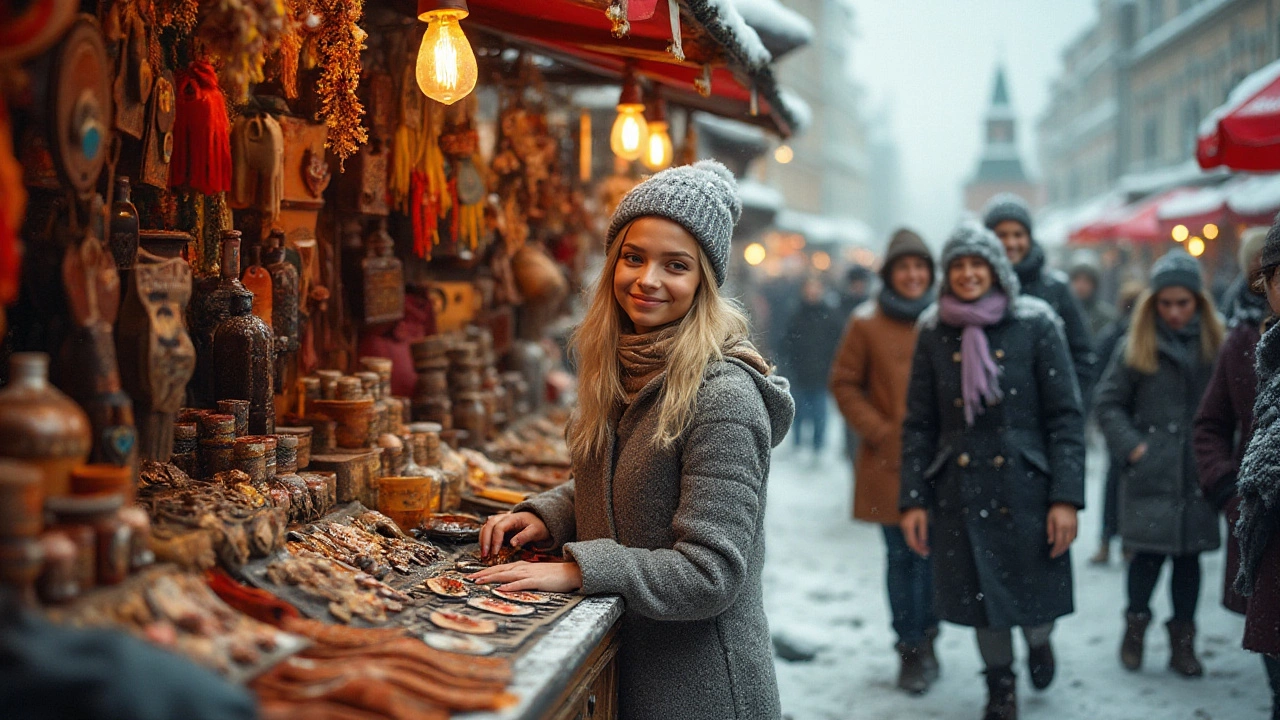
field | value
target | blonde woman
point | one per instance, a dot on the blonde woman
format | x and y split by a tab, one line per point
1146	405
677	415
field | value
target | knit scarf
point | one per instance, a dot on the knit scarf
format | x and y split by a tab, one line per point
1259	479
1183	345
978	372
900	308
642	358
1251	308
1030	266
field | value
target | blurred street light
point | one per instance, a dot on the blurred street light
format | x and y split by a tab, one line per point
1195	246
754	254
784	154
1180	233
822	261
1210	232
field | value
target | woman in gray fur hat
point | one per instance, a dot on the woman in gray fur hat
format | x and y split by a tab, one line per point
993	460
677	414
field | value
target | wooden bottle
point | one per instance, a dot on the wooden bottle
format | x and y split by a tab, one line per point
211	307
258	281
284	302
382	296
243	358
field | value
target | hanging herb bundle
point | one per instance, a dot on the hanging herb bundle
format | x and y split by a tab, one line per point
240	33
179	15
338	40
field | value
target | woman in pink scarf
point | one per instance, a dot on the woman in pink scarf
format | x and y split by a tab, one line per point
993	461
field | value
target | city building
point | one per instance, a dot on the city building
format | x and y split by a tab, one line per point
1000	167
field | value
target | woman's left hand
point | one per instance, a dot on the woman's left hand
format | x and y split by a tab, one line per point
1061	525
550	576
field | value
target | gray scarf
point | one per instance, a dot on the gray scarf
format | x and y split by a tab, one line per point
1259	478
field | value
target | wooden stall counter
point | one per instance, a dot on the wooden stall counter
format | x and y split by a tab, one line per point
571	672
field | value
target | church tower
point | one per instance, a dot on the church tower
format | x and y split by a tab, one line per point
1000	167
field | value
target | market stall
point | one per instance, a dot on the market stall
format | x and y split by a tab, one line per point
278	288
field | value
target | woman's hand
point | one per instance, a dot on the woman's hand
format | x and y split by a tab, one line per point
549	576
915	527
1061	525
1136	454
526	527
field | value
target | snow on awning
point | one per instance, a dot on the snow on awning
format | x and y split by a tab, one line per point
1256	200
1197	208
780	28
1244	132
824	230
760	196
1135	222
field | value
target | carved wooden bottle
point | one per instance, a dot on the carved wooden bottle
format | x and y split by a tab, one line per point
243	355
284	301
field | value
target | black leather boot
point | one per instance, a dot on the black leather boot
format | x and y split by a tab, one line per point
1135	633
928	656
1002	694
1041	665
911	676
1182	650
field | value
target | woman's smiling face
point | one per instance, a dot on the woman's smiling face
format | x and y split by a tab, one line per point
969	277
657	274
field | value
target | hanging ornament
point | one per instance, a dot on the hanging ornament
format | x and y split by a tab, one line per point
658	151
630	130
446	65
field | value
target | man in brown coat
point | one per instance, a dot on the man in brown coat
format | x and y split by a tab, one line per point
869	380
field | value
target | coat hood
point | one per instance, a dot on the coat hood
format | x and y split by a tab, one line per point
775	390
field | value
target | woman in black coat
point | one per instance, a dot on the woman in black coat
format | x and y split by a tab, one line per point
993	460
1146	405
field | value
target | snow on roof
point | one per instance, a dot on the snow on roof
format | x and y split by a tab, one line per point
1167	32
778	18
725	14
1241	94
797	108
1258	195
758	195
1151	181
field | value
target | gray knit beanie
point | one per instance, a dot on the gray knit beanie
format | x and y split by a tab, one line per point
1176	268
970	238
702	198
1006	206
1271	248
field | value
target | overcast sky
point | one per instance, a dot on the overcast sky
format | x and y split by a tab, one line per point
931	64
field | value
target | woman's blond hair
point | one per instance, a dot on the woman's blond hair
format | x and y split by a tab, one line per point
711	322
1142	349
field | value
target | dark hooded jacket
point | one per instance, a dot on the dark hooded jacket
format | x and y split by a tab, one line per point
988	488
1053	287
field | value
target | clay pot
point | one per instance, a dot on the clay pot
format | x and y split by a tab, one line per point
239	409
250	457
537	276
102	478
408	500
41	425
353	417
21	499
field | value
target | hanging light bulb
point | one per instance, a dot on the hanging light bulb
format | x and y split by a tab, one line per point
446	67
630	133
658	151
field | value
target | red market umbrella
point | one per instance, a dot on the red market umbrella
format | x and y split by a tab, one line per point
1137	222
1244	133
1197	209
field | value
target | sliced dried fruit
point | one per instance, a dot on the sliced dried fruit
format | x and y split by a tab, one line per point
522	596
453	643
463	623
499	607
445	586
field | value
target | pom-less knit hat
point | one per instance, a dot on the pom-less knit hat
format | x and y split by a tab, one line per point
1271	248
1006	206
702	198
1176	268
904	243
970	238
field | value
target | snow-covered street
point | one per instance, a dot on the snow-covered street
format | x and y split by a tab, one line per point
824	591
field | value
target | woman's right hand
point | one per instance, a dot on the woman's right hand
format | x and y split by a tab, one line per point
1136	454
525	526
915	528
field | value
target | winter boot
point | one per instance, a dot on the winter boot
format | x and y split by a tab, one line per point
1041	665
1182	651
1103	556
1135	634
911	676
928	657
1002	694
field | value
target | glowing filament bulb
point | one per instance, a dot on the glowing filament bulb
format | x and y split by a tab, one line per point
630	132
446	67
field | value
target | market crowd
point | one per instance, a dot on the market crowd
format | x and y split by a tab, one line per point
966	383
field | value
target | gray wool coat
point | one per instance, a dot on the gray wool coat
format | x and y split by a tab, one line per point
679	534
1161	506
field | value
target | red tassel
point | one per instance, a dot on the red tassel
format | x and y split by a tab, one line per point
201	132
